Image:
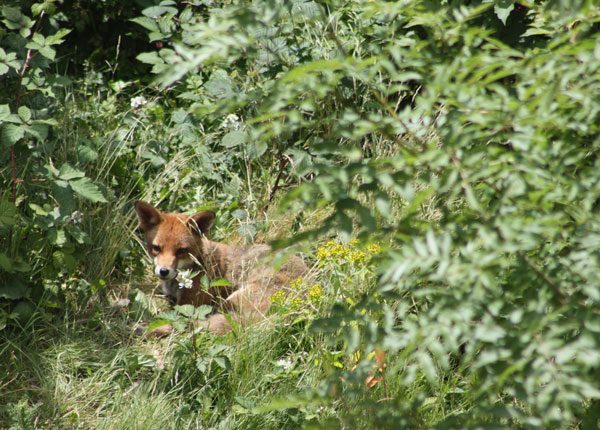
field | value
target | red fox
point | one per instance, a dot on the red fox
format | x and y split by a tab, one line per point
178	242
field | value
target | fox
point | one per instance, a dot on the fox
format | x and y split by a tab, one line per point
179	242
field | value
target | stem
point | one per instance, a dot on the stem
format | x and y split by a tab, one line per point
21	74
283	162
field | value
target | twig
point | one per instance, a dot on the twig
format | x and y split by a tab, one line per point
544	277
13	155
284	160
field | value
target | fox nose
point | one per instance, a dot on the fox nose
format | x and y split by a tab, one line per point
165	272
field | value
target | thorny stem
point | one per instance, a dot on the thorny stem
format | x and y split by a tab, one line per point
21	74
283	162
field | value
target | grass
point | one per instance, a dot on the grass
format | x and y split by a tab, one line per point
85	368
89	370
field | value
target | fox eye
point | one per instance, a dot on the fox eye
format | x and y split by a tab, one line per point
183	251
155	248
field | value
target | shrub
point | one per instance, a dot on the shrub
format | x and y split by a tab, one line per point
465	135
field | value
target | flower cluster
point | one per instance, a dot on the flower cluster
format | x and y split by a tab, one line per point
232	122
315	293
185	278
350	253
138	102
300	294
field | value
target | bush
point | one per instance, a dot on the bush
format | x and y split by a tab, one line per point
461	137
471	147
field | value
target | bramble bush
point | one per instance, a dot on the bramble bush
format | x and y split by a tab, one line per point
465	134
460	137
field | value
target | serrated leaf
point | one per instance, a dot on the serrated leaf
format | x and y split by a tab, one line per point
39	39
219	86
64	196
3	69
37	130
503	8
4	112
87	189
202	312
67	172
12	13
57	237
86	154
5	263
12	291
11	134
147	23
47	52
157	11
234	139
64	260
24	113
222	362
8	213
58	37
150	58
185	310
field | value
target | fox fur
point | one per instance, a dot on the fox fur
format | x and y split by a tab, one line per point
178	242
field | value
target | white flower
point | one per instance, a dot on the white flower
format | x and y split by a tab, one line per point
138	101
75	218
232	122
285	363
186	279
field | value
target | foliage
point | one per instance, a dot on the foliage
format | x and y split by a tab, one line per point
457	142
419	103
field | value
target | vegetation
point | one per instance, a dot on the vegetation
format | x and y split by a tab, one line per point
436	162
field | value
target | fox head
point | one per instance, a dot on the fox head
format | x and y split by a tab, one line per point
174	240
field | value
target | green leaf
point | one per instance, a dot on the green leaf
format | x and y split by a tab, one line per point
64	260
11	134
156	323
64	196
4	112
150	58
234	139
147	23
220	283
157	11
24	113
86	154
5	263
57	237
503	8
222	362
47	52
12	290
87	189
185	310
67	172
58	37
37	130
8	213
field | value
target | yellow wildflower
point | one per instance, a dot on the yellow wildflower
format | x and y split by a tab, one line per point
357	256
315	292
297	284
295	304
278	298
374	248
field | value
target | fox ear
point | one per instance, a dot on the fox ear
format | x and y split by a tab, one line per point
201	222
148	215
